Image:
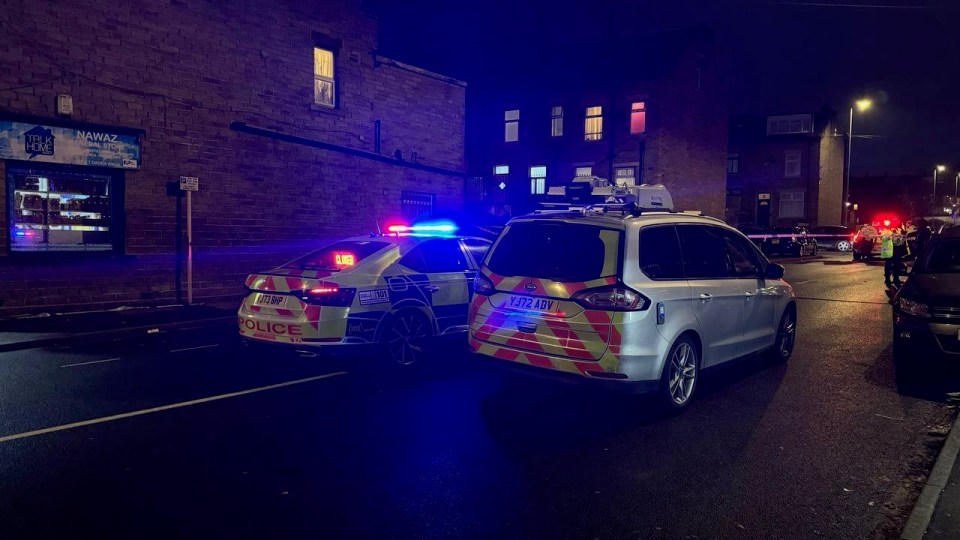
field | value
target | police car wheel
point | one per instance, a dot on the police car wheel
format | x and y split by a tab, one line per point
404	336
678	382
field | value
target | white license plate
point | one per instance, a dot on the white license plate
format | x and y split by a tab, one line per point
531	304
269	299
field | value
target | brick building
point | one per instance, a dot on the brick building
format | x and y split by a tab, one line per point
785	170
297	129
649	110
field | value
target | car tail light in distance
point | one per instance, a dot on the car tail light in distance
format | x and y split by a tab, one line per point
483	285
326	293
612	298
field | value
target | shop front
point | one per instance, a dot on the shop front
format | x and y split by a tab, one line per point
64	185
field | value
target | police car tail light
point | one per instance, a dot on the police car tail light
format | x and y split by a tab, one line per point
326	293
483	285
612	298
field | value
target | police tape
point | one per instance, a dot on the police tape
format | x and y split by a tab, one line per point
795	236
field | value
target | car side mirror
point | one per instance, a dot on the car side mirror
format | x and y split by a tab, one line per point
774	271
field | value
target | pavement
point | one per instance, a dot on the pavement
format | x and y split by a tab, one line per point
51	329
936	513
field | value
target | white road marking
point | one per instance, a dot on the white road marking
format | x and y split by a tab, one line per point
141	412
88	363
195	348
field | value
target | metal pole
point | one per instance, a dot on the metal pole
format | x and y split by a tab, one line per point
935	187
846	183
956	181
189	249
179	245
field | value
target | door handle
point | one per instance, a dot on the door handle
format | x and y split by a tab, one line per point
431	288
705	296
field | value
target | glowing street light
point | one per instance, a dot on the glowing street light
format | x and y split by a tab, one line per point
861	105
937	169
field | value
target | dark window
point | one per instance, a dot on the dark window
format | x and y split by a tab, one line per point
415	204
55	208
660	256
743	258
944	257
557	251
704	251
442	255
337	256
477	248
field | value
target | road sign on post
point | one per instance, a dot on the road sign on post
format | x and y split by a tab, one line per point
189	184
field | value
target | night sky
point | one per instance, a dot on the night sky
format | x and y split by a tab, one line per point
777	57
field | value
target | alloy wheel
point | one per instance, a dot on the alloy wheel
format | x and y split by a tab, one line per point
786	335
683	373
404	337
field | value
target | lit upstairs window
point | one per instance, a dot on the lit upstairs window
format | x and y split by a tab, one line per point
638	117
324	84
593	124
583	171
501	169
556	121
511	127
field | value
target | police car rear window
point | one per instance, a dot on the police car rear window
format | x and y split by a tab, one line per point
557	251
337	256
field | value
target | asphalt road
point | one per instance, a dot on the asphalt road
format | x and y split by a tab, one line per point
191	434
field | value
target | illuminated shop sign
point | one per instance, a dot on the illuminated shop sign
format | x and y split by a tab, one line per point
52	144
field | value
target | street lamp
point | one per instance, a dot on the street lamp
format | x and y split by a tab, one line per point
937	169
861	105
956	183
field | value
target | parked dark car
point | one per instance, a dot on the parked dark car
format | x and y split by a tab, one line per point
755	234
835	237
789	241
926	309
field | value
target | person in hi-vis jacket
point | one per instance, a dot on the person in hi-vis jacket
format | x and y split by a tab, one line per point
893	247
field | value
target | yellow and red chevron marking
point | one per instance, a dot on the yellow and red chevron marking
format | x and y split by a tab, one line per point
283	283
535	359
558	336
312	314
544	287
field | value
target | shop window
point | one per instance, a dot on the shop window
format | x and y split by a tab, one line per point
593	124
324	83
63	209
638	117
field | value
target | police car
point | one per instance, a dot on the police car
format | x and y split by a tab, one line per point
393	290
627	292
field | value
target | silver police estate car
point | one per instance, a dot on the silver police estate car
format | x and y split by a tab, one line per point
644	299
